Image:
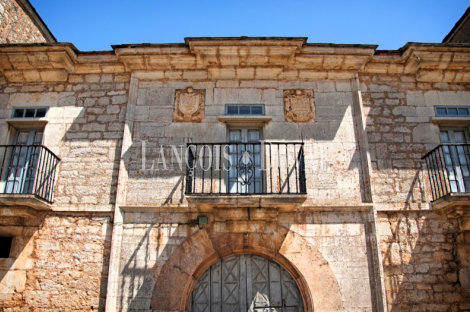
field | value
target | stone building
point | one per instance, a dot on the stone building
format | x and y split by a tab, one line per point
235	174
460	33
20	23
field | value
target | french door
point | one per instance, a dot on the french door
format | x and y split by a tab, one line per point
242	283
456	158
23	161
244	174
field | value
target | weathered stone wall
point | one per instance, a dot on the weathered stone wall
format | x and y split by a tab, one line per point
418	247
398	113
421	262
84	129
16	26
332	160
58	262
334	254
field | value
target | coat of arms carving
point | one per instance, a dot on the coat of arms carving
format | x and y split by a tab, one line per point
189	105
299	105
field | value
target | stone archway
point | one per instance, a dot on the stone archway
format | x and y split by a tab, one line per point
315	279
243	283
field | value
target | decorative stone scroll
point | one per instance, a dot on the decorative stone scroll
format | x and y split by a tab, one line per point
189	105
299	105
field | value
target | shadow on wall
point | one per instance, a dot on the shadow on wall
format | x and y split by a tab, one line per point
90	151
160	252
333	130
421	263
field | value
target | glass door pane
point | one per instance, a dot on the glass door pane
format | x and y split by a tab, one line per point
456	158
244	174
23	162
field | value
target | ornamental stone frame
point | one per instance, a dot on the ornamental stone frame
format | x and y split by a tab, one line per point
189	105
314	277
299	105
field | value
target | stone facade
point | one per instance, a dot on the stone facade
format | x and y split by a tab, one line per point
20	23
122	232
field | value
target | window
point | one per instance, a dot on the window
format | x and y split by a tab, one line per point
5	246
452	111
239	109
29	112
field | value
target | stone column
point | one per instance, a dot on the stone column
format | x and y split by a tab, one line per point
361	134
114	264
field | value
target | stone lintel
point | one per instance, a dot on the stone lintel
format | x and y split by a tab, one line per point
245	120
285	202
17	211
28	200
21	123
451	121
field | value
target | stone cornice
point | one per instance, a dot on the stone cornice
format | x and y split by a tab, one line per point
237	58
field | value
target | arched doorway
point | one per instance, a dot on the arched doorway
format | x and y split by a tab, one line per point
246	282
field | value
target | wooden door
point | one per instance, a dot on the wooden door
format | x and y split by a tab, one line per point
244	283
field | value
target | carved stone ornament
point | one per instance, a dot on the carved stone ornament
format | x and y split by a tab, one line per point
299	105
189	105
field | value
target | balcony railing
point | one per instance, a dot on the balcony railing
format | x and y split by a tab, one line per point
28	169
448	168
245	168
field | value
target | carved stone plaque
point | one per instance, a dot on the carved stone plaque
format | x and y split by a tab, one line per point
299	105
189	105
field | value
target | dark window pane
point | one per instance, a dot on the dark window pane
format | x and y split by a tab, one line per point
18	113
244	110
232	110
41	112
452	111
257	110
30	112
5	246
463	111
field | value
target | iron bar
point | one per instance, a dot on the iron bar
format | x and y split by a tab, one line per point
32	172
448	169
242	170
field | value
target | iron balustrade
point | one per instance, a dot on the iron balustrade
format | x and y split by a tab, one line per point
245	168
28	169
448	167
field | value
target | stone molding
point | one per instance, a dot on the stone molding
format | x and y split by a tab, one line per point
189	105
299	105
232	58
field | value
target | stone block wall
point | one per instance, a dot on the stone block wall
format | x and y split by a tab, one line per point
331	152
398	113
16	26
85	127
58	262
421	262
153	243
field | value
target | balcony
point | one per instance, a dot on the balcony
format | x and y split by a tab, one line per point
254	174
448	167
27	178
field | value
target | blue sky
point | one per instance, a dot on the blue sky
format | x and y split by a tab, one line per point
95	25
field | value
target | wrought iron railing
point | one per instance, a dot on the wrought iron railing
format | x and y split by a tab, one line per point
245	168
448	167
28	169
